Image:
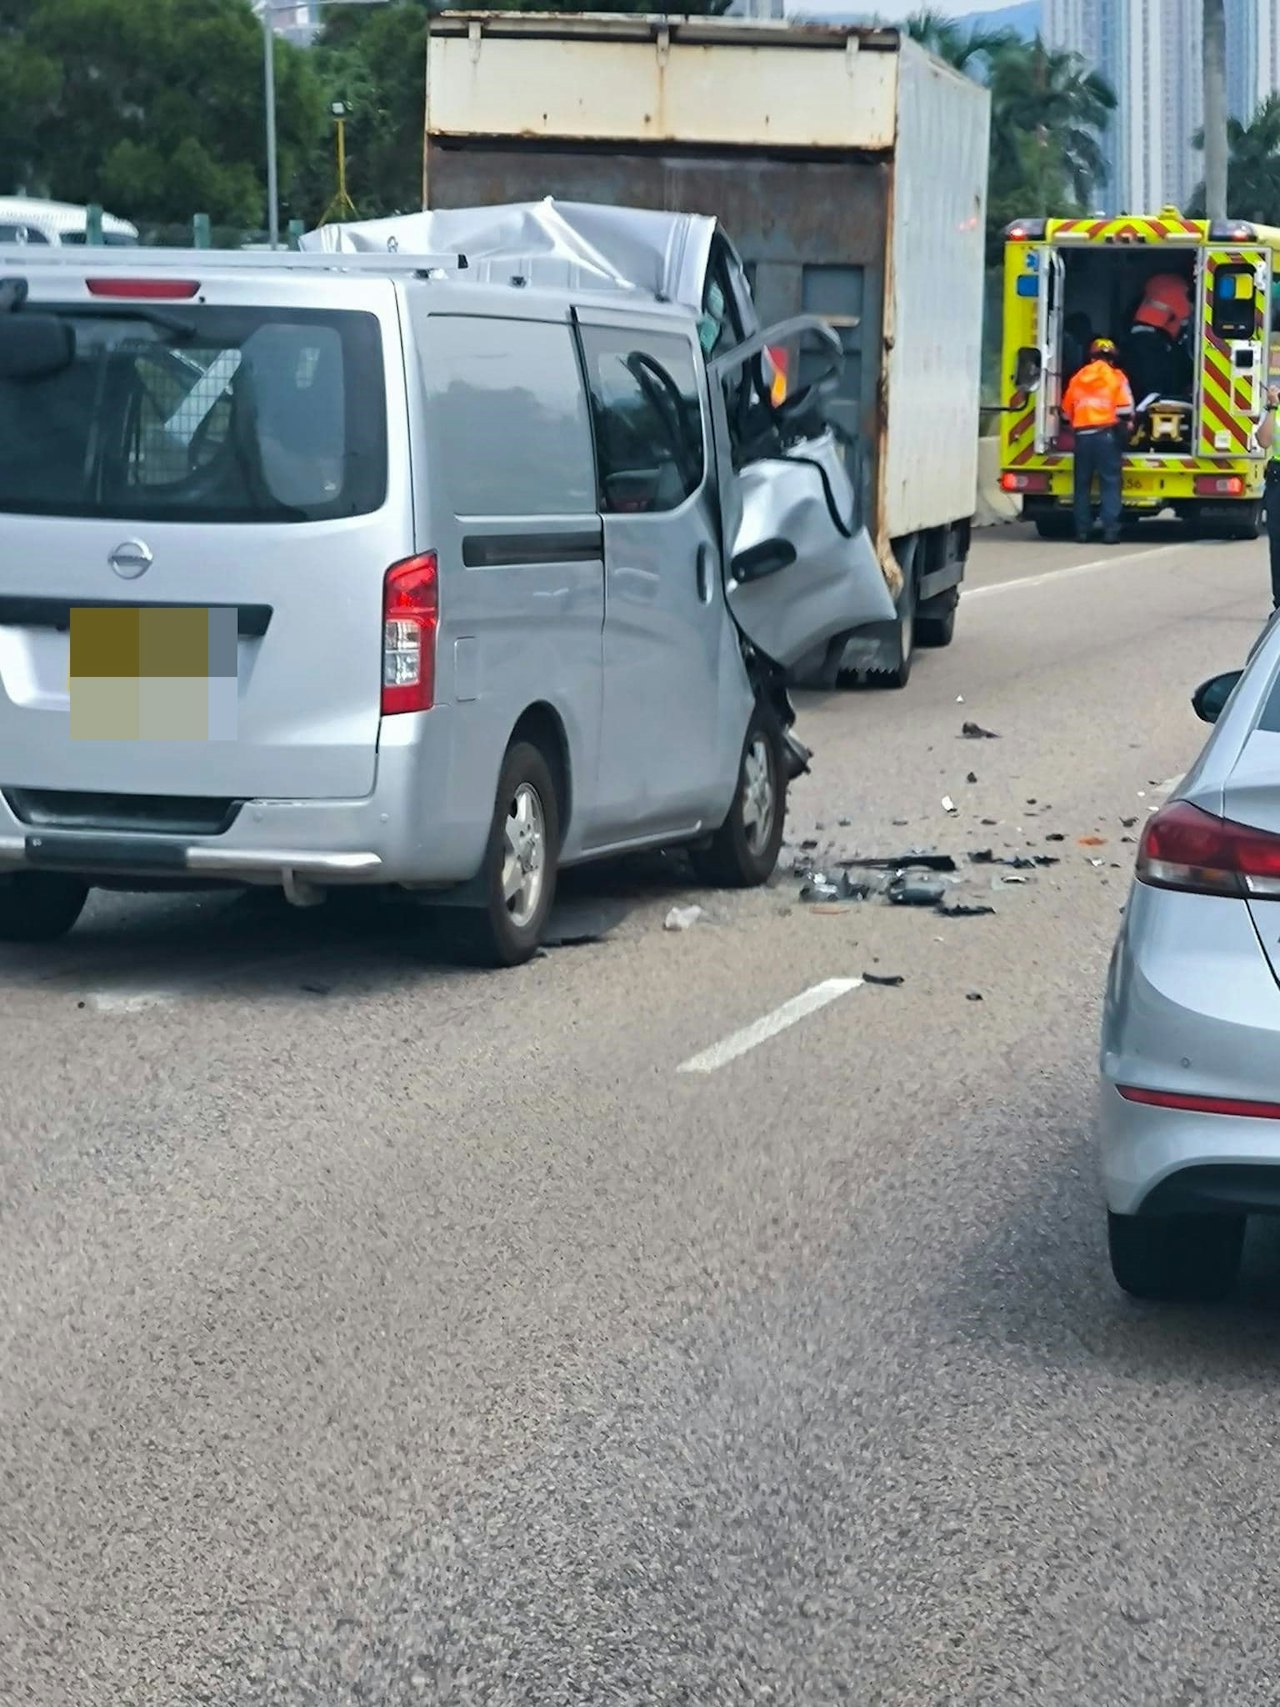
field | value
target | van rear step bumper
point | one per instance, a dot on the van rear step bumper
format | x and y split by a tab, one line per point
164	857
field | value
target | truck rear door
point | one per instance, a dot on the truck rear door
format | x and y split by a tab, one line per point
1049	338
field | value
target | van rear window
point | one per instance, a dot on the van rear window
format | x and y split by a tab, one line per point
192	413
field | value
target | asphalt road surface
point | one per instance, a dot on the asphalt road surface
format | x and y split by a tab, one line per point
374	1332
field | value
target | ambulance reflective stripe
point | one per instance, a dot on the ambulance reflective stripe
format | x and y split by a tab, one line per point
1022	442
1226	401
1126	230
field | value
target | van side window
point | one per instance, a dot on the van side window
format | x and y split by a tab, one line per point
511	428
648	419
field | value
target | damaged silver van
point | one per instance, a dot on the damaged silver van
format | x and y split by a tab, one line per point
439	567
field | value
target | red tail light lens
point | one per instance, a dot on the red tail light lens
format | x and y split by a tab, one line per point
1185	848
1219	486
147	290
1010	482
410	618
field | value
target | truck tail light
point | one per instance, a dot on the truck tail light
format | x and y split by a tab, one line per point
1011	482
1185	848
1219	486
410	618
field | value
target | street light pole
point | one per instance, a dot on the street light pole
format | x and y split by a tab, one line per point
269	99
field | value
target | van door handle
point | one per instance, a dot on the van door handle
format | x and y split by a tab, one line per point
704	574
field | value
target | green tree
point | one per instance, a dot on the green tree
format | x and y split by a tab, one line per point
971	50
1050	99
154	107
1253	166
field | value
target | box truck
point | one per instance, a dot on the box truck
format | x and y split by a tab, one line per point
847	166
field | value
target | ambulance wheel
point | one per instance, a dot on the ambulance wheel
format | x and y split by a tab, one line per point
1054	527
1250	521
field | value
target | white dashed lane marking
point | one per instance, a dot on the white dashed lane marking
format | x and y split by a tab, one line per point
761	1030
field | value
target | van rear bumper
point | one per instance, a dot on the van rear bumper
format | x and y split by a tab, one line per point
422	826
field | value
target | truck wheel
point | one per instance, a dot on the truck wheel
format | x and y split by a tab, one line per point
898	673
744	850
39	906
1175	1258
518	877
936	623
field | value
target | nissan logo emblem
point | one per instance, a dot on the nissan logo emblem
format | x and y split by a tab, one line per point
131	559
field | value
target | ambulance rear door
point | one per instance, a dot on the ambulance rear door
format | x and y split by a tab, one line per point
1235	337
1049	338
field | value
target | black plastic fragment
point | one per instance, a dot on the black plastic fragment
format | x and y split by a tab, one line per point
904	892
904	862
890	981
975	732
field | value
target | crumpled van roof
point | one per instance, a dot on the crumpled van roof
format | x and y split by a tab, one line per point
579	245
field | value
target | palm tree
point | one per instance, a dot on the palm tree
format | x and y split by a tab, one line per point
1253	166
967	49
1051	96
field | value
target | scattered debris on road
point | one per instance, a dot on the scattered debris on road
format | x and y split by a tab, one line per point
889	980
973	996
681	918
975	732
949	805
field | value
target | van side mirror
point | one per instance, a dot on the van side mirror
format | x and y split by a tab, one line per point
767	558
1210	698
35	346
1029	370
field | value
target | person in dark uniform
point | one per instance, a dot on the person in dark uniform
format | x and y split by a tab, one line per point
1268	441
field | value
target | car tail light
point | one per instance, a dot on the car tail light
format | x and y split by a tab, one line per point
1010	482
151	290
410	617
1219	486
1238	1106
1185	848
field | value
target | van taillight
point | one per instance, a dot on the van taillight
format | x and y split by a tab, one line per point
1185	848
410	616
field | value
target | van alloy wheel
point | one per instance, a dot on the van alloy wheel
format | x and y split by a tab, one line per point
759	796
524	862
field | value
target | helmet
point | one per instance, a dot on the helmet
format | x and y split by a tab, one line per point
1101	347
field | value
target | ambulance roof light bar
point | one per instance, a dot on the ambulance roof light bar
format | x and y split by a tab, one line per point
1232	230
1022	229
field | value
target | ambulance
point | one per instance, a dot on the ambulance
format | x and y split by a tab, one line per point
1193	292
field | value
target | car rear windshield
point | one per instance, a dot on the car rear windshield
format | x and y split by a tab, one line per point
193	413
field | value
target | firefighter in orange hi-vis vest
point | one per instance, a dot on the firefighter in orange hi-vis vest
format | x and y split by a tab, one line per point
1098	407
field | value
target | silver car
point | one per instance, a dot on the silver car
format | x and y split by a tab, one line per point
1190	1117
325	570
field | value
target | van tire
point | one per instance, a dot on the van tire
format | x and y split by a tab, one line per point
39	906
492	933
743	854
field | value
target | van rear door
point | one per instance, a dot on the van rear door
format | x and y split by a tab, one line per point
214	460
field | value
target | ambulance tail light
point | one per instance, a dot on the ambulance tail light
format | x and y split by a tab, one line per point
1219	486
1011	481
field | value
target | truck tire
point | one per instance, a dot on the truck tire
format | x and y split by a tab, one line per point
517	881
39	906
936	621
898	673
744	850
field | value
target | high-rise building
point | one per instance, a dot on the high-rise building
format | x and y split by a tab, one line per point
1152	54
